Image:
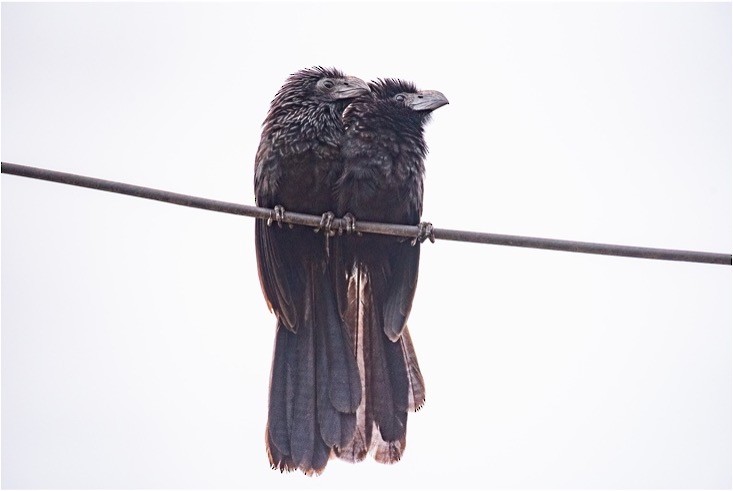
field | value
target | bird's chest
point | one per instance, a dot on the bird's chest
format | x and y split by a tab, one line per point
307	180
381	181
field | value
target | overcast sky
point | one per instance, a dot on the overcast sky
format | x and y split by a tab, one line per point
136	344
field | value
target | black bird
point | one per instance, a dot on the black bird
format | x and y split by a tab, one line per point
314	386
382	181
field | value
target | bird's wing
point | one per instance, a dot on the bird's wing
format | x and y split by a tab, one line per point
280	274
399	266
279	277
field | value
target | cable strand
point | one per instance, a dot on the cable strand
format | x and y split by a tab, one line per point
408	231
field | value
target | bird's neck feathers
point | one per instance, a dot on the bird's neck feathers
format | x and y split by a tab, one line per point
373	120
303	122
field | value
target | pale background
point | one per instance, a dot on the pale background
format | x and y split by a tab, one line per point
135	341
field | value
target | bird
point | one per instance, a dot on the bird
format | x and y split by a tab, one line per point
375	277
315	387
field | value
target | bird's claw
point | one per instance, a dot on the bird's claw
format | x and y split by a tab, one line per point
326	224
349	224
276	215
425	231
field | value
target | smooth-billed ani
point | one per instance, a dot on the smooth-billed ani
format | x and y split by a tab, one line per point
314	386
382	181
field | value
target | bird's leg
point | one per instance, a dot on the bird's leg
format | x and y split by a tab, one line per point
425	231
326	226
277	214
349	225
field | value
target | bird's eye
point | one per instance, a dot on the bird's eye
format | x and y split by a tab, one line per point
399	98
328	84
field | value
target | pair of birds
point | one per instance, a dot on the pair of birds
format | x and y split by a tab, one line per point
344	372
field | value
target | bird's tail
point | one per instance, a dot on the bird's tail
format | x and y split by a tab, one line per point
315	389
392	384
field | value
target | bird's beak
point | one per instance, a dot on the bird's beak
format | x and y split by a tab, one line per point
427	100
350	87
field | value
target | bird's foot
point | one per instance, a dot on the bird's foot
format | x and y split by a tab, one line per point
276	215
326	225
425	231
349	225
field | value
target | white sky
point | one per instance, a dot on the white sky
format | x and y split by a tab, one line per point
135	341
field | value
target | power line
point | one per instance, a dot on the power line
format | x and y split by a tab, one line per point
408	231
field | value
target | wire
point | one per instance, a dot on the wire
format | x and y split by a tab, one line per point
409	231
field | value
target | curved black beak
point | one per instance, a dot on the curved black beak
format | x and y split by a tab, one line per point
426	100
350	87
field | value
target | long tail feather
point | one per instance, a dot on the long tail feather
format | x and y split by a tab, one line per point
417	384
303	430
315	387
391	378
388	388
281	399
351	308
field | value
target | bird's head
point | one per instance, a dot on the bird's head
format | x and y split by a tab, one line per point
319	86
406	99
